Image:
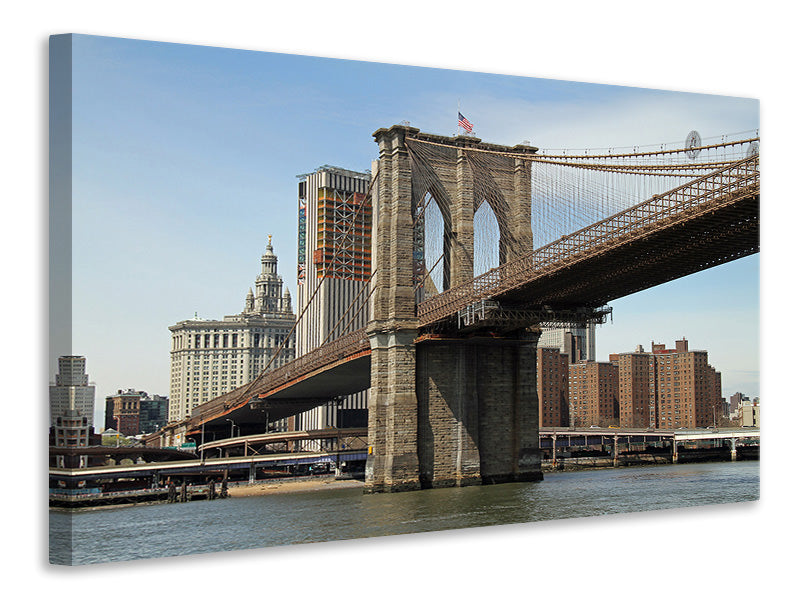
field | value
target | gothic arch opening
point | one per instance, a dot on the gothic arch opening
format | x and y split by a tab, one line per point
434	248
486	240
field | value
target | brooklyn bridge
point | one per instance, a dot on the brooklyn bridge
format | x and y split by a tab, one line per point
476	247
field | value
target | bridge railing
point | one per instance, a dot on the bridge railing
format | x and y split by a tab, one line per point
662	210
331	352
342	347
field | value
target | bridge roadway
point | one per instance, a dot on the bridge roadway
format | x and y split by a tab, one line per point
342	439
681	435
345	444
204	466
551	438
339	368
357	450
565	436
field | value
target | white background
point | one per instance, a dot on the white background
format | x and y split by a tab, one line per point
732	48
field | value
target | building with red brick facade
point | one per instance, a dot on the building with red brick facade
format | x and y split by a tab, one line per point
122	411
594	394
634	387
664	388
685	391
551	384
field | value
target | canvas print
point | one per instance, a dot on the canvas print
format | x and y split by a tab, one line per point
298	299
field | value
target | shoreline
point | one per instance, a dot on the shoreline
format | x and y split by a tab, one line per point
291	486
299	485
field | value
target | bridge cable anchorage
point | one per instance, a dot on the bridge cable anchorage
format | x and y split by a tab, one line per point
234	396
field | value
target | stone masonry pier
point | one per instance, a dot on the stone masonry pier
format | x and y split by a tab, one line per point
447	409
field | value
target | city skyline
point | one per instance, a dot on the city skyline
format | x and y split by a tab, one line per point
185	157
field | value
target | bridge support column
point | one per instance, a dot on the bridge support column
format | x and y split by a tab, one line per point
251	475
674	450
392	463
478	411
616	451
456	411
462	250
733	449
520	207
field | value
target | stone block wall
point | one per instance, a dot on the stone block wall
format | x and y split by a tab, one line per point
478	411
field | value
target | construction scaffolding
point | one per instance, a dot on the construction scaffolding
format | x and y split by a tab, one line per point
344	238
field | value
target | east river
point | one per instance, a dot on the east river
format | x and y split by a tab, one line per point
160	530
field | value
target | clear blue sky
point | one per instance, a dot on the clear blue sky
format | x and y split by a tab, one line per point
184	160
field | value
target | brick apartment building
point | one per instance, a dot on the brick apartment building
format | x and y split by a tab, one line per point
551	385
685	391
594	393
665	388
634	387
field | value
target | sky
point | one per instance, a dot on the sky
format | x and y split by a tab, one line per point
185	160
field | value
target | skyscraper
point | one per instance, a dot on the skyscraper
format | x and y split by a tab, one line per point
71	390
334	267
71	409
212	357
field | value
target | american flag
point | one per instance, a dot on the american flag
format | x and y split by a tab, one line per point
463	122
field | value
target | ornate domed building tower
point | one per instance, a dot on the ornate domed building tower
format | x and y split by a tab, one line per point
212	357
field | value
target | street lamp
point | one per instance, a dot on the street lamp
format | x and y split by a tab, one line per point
232	424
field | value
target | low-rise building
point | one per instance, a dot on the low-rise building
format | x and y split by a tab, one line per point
749	414
122	411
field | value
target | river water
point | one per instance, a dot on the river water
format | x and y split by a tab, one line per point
160	530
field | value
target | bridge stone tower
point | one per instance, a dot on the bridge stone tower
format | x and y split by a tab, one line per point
447	408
